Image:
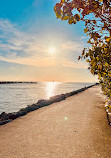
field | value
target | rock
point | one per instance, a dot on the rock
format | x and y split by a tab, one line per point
5	121
40	101
22	112
2	115
28	109
10	116
33	107
58	98
109	118
43	102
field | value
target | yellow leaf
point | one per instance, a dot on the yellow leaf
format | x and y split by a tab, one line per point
87	60
108	39
58	15
77	17
65	17
85	30
71	20
97	58
106	64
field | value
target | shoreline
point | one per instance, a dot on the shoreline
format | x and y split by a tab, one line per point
8	117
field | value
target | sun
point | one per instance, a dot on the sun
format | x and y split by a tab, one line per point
52	50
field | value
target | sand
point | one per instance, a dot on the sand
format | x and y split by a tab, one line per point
74	128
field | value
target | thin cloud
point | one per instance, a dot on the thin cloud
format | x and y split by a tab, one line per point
72	46
77	65
28	49
30	61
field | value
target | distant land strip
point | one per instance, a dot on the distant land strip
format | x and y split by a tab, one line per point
14	82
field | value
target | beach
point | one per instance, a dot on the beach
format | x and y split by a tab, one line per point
73	128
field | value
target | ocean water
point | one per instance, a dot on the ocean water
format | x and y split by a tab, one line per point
13	97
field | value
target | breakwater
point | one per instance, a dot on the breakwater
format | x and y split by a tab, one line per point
8	117
14	82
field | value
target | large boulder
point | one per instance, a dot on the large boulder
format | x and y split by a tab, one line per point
109	117
5	121
32	107
22	112
43	102
58	98
2	115
10	116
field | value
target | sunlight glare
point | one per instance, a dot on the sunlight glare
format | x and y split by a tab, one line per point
52	50
50	89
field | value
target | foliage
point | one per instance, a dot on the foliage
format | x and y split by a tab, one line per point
96	15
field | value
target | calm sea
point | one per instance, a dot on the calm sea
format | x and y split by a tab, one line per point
13	97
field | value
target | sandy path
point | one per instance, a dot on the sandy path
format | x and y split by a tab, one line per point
74	128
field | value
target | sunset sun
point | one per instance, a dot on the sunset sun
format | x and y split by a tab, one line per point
52	50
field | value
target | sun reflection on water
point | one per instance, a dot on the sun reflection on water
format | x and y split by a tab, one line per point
50	89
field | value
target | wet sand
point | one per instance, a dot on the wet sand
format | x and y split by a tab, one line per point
74	128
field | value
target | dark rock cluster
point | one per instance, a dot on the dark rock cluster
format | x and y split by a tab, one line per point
109	118
8	117
14	82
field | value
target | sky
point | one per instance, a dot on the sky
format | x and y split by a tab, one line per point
36	46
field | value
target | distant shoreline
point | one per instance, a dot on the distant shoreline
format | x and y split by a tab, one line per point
15	82
8	117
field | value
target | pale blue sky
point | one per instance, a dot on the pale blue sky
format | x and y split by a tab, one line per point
28	30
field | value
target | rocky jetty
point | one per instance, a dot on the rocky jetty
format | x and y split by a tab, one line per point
8	117
16	82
